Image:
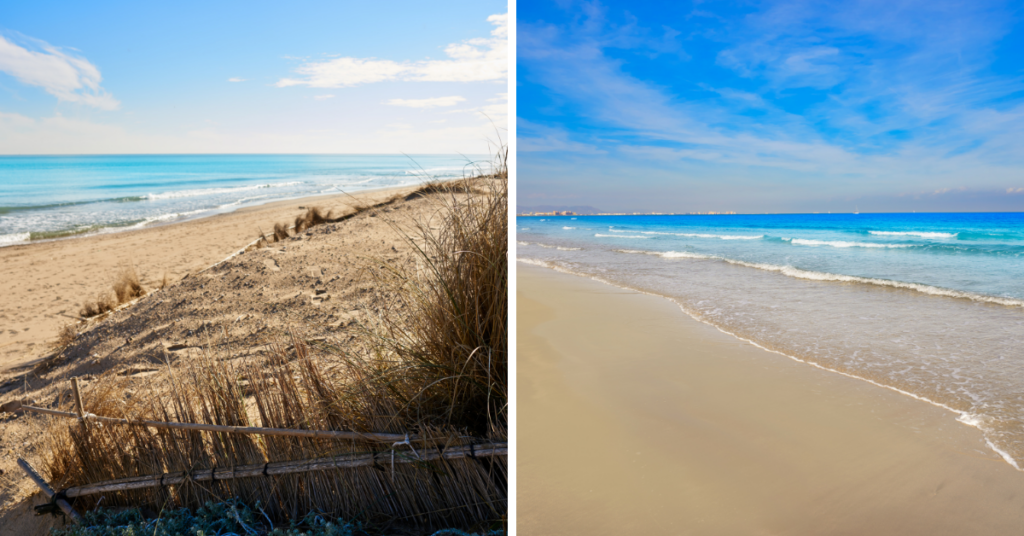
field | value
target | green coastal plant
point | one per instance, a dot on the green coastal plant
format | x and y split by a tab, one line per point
227	517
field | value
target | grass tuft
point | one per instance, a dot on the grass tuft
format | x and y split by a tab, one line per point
127	285
280	232
105	301
65	336
449	352
126	288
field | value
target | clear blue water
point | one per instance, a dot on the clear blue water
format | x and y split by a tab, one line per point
929	304
982	254
44	197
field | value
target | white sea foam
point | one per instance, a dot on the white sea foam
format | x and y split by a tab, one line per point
811	275
521	243
845	244
672	254
568	228
617	236
695	235
684	255
14	238
243	200
702	235
920	234
170	217
549	246
538	262
214	191
524	228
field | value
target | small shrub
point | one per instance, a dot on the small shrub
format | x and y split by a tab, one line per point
104	302
228	517
127	286
65	336
280	232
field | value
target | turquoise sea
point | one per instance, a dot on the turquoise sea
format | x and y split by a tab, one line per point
931	305
48	197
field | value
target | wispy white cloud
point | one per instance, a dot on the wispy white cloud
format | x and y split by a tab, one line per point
323	97
475	60
435	102
544	139
68	77
236	79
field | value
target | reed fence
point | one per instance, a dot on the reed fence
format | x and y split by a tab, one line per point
380	460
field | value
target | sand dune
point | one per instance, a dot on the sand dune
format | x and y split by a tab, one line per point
43	285
311	286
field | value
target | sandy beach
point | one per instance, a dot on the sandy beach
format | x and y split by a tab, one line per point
312	285
634	418
44	284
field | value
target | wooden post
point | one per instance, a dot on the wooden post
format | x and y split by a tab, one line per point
48	491
78	400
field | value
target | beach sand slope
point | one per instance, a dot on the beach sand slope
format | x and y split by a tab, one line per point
43	285
312	287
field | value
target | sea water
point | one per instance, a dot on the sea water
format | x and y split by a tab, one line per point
49	197
931	305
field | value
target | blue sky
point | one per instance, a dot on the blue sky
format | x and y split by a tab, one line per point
788	106
245	77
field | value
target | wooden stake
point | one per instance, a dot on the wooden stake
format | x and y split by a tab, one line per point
79	409
48	491
284	468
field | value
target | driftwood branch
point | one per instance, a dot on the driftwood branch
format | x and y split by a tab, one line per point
38	479
285	468
314	434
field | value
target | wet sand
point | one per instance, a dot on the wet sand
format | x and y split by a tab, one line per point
633	418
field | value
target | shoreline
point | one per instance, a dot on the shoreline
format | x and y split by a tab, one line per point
210	213
731	426
963	417
45	282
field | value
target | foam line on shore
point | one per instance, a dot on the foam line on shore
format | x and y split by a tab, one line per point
843	243
963	417
695	235
812	275
919	234
85	231
548	246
